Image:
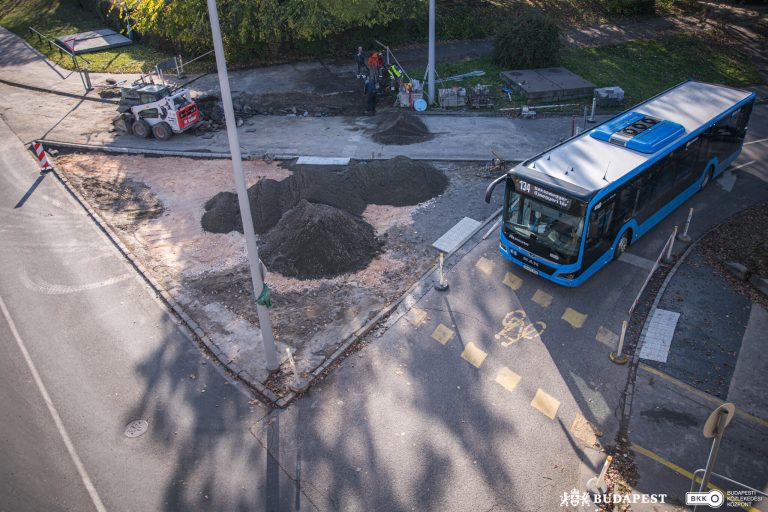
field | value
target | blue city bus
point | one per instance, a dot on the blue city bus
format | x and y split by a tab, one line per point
573	208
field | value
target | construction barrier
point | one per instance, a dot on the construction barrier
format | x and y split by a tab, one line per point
42	157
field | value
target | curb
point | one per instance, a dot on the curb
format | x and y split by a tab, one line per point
185	323
219	154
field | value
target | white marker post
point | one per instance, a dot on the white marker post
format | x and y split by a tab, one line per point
683	237
260	291
441	284
617	357
599	485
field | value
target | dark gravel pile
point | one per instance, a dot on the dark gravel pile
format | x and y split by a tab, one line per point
316	240
400	129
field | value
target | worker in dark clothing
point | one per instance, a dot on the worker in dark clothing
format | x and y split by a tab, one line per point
370	96
360	61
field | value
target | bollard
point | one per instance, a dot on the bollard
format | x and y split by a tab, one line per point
617	357
668	255
584	125
442	284
298	385
573	125
598	485
684	236
591	118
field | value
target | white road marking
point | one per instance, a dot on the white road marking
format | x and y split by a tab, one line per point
54	413
755	141
657	336
62	289
742	165
636	260
727	180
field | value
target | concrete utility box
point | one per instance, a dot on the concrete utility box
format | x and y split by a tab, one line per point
548	84
609	96
92	41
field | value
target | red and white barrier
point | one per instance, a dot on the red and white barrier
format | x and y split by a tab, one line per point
42	157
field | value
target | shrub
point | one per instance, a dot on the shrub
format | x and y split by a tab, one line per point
530	40
631	7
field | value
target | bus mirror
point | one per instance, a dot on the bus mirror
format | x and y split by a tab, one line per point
489	190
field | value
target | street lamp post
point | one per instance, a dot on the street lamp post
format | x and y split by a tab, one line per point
257	278
431	57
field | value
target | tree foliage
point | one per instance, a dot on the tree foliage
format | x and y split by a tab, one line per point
530	40
249	26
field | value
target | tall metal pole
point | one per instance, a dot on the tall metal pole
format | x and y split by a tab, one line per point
431	58
721	424
257	279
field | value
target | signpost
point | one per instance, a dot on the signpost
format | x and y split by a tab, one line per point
714	427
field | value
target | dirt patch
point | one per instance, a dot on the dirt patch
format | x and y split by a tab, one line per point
741	239
316	240
400	129
131	200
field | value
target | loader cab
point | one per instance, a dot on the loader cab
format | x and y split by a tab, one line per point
152	93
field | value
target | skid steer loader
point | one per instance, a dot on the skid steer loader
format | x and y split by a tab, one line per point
149	109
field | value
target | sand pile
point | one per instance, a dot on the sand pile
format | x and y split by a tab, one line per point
316	240
400	129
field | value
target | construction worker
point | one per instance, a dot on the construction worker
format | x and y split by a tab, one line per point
374	65
370	96
394	77
360	61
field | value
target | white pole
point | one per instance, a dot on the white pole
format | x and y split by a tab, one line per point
257	279
431	57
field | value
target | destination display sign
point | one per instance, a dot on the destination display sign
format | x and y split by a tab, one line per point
545	195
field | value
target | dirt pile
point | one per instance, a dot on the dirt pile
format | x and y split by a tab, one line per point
400	129
398	182
222	214
316	240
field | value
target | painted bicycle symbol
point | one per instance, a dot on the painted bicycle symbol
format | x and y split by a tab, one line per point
516	327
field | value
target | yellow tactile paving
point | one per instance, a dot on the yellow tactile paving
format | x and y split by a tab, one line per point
416	316
574	318
473	355
442	334
512	281
607	337
485	265
545	403
507	378
541	298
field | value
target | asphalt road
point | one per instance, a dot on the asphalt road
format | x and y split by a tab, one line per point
106	353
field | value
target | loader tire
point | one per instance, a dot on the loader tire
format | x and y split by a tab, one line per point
162	131
141	129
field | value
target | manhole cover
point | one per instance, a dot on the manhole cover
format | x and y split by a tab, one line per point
136	428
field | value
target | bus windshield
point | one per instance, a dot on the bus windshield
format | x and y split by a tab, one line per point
550	232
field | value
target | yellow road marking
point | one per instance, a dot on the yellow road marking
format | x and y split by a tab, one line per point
701	394
416	316
485	265
607	337
473	355
687	474
512	281
442	334
516	327
542	299
545	403
574	318
508	379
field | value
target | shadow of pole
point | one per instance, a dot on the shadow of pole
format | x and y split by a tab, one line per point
31	190
273	465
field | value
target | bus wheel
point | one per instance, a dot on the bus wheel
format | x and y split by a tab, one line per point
706	180
621	247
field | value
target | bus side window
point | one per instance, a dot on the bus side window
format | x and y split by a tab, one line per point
625	205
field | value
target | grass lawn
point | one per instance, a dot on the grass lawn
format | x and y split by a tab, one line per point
641	68
59	17
645	68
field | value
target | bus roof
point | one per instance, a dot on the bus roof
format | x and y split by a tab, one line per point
586	164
